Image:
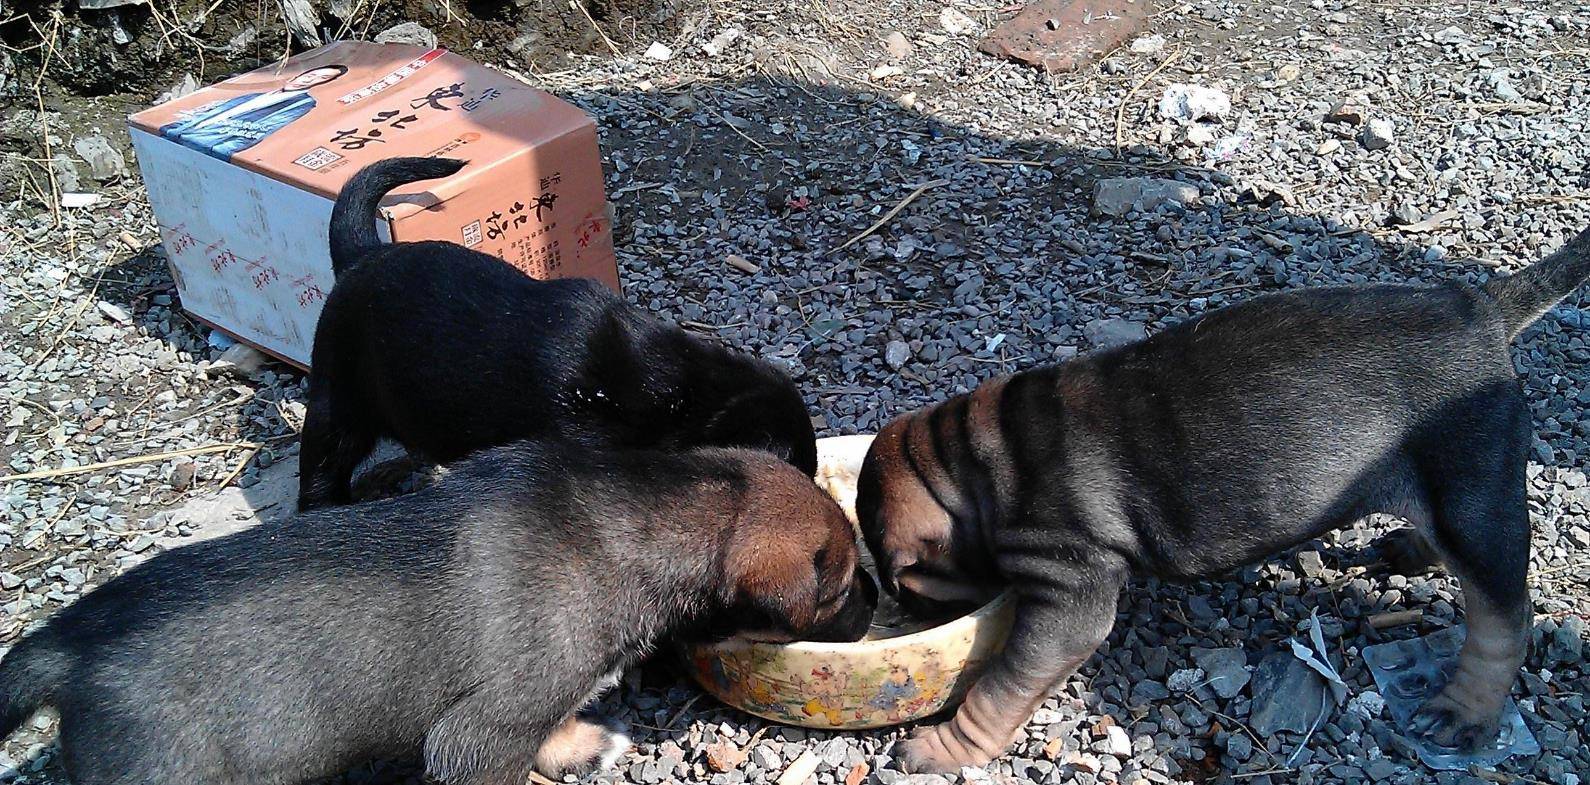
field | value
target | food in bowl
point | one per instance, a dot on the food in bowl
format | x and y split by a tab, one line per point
904	670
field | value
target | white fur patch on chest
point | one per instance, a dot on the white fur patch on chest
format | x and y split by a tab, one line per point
602	685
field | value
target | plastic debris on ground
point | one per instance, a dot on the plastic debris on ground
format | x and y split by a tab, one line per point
220	340
1411	671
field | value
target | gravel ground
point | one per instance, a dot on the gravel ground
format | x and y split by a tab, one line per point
1346	142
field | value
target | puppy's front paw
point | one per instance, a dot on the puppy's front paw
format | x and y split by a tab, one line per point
1406	552
1450	723
936	750
578	748
395	477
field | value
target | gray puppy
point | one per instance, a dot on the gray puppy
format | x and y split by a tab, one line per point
469	621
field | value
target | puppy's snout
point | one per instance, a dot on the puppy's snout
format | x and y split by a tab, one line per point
917	605
854	617
868	586
889	569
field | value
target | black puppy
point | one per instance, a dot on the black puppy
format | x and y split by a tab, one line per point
448	350
1214	443
469	621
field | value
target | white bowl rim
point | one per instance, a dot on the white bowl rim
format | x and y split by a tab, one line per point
971	619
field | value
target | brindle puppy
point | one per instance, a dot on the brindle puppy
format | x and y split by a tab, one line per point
1214	443
467	622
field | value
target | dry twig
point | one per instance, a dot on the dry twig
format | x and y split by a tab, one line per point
38	98
60	337
891	214
1120	111
1004	161
65	471
241	465
598	28
1381	621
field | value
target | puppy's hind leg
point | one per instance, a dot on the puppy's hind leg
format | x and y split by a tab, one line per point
116	744
1480	527
331	448
485	740
579	747
1408	552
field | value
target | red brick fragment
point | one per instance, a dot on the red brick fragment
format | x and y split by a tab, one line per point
1064	35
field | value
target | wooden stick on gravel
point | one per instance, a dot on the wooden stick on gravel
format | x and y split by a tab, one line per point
598	28
1004	161
1501	776
65	471
1381	621
241	465
38	95
28	565
892	213
1120	111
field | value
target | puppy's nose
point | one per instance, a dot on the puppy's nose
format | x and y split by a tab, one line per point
854	617
919	606
890	581
869	587
890	565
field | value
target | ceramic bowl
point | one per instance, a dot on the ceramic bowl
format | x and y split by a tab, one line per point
895	675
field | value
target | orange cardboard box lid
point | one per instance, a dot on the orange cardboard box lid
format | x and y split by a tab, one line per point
315	119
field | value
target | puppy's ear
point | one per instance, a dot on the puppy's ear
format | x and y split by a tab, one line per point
770	417
869	511
771	583
901	519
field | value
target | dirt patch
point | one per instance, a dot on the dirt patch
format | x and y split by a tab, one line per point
98	66
147	48
539	33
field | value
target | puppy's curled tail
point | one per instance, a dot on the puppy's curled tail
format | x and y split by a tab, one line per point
29	676
1528	294
353	216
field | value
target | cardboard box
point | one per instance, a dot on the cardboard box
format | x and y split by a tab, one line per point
242	176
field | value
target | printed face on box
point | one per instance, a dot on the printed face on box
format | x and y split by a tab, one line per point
314	77
226	127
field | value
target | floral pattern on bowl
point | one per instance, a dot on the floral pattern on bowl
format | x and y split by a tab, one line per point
871	683
867	684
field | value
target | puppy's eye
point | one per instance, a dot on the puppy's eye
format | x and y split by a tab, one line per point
934	547
935	569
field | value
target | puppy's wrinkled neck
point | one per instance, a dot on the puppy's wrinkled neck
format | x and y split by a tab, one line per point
960	452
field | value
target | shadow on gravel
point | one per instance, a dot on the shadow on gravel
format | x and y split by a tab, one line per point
1001	263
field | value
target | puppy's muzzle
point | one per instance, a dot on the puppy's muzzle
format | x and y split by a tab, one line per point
923	607
854	617
937	598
